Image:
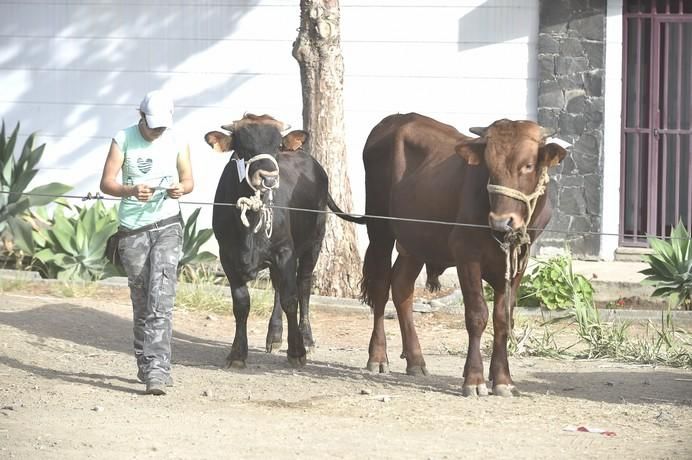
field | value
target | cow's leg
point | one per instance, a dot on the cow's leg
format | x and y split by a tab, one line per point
375	292
404	274
284	278
306	266
241	308
476	318
275	328
499	364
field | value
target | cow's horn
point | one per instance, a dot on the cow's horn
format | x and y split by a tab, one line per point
478	131
227	127
547	132
560	142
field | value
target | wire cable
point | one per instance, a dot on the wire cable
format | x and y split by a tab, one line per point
99	196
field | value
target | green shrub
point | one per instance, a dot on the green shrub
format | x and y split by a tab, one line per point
554	285
16	173
670	267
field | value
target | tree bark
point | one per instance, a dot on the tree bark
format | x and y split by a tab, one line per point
318	52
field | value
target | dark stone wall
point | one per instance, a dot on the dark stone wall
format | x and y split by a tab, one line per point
571	68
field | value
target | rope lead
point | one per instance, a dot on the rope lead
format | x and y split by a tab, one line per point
514	242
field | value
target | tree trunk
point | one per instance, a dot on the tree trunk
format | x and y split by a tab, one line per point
318	52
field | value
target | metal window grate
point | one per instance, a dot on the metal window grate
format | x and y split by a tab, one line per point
657	122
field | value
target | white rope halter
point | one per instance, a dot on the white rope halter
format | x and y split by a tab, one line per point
256	203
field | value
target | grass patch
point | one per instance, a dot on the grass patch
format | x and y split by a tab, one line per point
546	344
211	294
202	296
262	302
13	284
583	335
76	289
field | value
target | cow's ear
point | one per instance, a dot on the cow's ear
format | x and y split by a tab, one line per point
471	150
551	154
294	140
219	141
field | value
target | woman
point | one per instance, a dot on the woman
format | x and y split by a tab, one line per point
156	171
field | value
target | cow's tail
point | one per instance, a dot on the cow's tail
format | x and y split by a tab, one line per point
361	220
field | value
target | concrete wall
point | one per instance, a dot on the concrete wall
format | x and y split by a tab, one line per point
75	71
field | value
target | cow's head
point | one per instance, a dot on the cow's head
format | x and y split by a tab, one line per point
517	155
256	140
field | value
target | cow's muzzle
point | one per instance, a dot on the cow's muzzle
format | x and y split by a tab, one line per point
508	223
262	179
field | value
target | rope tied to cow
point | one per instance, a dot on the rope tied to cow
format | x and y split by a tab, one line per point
256	202
529	200
515	262
516	241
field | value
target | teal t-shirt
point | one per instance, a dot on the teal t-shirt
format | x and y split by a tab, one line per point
151	163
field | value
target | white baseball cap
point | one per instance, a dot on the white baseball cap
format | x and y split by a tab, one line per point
157	107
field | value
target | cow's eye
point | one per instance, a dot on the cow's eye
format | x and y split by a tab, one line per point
527	168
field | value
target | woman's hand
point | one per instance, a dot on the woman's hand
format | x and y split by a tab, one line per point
142	192
175	191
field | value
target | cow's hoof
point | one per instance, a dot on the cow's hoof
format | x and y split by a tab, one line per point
236	364
417	370
273	347
376	367
297	361
505	390
309	350
475	390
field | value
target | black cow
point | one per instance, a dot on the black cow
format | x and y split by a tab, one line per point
255	229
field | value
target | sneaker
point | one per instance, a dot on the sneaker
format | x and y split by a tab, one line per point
167	380
155	387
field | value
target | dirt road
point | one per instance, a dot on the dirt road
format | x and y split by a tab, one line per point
68	390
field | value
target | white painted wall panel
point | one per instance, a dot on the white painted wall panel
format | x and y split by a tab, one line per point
466	63
422	23
451	95
612	131
149	20
396	60
75	70
225	56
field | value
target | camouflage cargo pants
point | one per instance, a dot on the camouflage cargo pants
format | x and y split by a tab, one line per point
150	259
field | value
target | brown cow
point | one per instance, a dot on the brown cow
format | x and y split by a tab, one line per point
417	168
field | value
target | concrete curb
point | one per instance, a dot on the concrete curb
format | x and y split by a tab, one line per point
450	304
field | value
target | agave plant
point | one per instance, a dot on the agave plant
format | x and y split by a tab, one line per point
15	176
192	241
670	267
70	246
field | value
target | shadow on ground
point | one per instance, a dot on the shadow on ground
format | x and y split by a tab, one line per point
92	328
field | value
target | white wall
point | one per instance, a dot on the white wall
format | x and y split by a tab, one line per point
612	131
466	63
75	71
